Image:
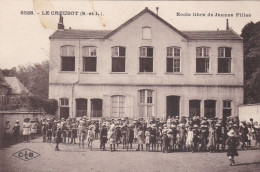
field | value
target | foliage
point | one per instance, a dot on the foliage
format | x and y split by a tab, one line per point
251	40
34	77
31	103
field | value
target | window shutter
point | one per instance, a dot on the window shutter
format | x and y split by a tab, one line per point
106	106
129	103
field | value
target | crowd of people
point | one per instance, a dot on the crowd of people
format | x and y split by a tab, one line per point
175	134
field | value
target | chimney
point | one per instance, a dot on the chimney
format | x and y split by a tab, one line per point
227	27
60	24
157	10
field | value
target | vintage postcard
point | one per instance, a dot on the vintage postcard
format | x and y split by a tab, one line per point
129	85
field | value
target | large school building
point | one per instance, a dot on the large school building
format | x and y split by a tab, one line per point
145	68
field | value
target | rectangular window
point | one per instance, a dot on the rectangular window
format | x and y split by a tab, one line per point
67	58
224	60
194	108
64	102
210	108
145	103
173	59
146	59
81	107
89	59
118	106
147	33
64	108
142	96
176	67
90	64
149	96
202	60
146	51
118	59
226	104
169	65
227	109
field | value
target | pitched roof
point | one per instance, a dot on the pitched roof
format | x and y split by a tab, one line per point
212	35
104	34
140	14
16	86
2	80
79	34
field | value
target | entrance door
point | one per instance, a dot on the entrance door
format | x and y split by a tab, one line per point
173	106
64	112
226	113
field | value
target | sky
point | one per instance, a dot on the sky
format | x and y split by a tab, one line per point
24	39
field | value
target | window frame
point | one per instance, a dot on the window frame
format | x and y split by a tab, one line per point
227	107
84	57
205	54
146	102
174	57
67	56
143	29
64	99
119	57
118	106
145	56
224	57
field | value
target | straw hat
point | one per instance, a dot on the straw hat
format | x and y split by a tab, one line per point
231	133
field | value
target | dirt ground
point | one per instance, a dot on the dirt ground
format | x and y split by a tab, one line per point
72	158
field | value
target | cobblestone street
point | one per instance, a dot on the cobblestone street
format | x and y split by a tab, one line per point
72	158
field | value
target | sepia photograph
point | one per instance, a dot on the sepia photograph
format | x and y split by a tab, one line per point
129	86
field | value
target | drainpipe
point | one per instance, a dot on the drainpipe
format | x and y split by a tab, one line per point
73	84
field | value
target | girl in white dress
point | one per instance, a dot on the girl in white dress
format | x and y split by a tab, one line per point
189	140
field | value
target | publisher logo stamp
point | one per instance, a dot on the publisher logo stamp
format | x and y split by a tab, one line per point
26	154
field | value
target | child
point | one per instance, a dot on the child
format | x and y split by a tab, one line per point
232	143
212	139
103	137
159	138
111	135
250	135
148	138
189	140
26	129
34	127
16	130
58	137
81	133
91	135
140	138
153	136
73	133
129	137
165	139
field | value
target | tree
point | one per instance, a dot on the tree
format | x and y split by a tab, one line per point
35	78
251	40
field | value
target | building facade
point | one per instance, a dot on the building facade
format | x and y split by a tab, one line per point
144	68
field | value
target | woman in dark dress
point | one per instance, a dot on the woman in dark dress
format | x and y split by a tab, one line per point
232	143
